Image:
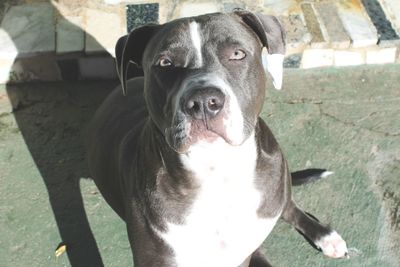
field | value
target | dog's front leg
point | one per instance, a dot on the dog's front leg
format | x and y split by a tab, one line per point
257	259
320	236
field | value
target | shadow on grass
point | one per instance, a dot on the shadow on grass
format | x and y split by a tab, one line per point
52	118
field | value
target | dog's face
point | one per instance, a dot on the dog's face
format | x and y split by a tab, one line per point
204	78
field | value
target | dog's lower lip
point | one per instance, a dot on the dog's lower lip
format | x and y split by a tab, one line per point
176	140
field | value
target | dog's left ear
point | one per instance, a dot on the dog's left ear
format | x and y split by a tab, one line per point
272	36
130	49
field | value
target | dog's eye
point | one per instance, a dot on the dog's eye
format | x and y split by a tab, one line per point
165	62
237	55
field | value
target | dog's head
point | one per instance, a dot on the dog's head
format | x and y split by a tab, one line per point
204	77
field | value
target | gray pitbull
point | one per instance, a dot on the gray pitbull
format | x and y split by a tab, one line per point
184	158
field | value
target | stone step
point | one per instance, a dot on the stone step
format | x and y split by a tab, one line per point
313	58
297	35
315	26
391	9
381	55
357	23
336	33
39	41
387	35
291	16
348	58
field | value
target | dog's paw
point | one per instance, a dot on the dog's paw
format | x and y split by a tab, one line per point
333	245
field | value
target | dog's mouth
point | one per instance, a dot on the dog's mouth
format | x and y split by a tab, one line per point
187	132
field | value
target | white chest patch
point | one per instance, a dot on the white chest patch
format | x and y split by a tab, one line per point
222	227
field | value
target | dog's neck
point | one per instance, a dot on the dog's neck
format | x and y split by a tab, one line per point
219	159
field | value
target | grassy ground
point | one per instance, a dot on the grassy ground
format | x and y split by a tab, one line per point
346	120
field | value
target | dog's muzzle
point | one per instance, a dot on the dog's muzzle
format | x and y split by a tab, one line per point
200	116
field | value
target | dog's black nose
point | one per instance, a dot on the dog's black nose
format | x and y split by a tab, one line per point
201	102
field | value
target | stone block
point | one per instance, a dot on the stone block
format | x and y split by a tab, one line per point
282	7
138	15
291	16
357	23
314	26
392	11
313	58
189	9
387	35
70	36
297	35
336	34
103	29
381	56
349	58
30	27
92	68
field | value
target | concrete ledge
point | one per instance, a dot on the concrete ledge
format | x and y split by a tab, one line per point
56	67
43	68
313	58
95	68
349	58
381	56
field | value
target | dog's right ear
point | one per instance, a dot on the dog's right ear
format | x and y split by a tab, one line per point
130	48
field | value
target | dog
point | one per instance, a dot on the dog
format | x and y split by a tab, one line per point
182	155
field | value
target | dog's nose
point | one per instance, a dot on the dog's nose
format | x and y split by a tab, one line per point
202	102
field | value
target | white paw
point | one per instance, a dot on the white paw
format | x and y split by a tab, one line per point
333	245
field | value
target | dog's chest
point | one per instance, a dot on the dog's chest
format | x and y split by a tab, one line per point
222	227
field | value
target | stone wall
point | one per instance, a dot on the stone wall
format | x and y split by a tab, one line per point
75	39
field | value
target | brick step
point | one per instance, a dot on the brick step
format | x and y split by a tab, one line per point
52	42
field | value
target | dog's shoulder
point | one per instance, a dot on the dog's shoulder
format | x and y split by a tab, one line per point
117	117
